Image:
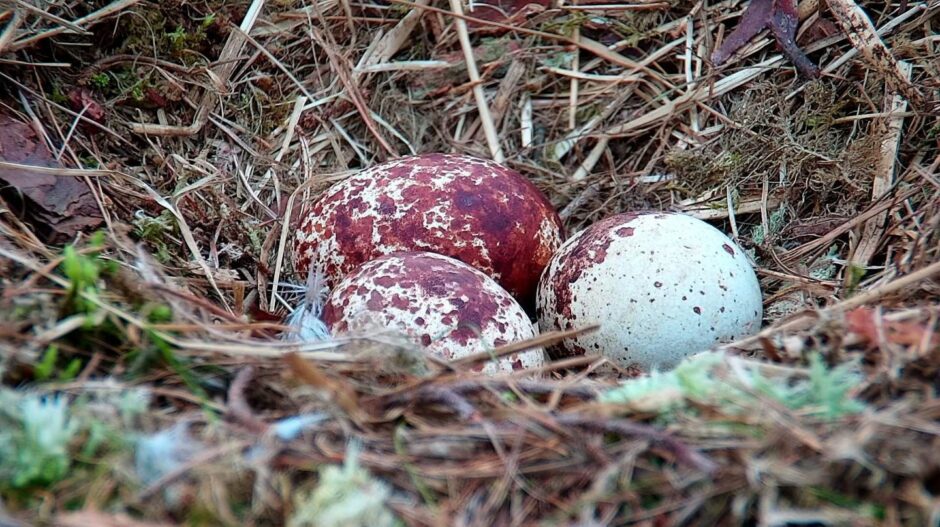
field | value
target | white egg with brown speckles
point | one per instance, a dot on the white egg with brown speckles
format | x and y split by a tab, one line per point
436	301
662	286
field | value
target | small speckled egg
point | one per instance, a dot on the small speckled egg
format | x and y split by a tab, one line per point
662	286
479	212
441	303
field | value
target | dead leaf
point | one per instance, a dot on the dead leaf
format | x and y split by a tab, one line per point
58	207
862	322
820	28
82	100
780	17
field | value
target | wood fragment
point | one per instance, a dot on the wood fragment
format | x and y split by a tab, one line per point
486	120
395	38
895	105
858	28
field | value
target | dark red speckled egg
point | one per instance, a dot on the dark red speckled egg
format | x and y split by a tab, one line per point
477	211
438	302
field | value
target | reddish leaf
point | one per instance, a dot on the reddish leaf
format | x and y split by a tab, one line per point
755	19
861	321
154	98
81	99
58	207
780	17
819	29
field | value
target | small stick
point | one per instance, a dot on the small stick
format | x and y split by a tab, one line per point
802	320
489	129
94	16
282	242
42	13
9	32
535	342
895	106
344	72
857	27
586	166
573	96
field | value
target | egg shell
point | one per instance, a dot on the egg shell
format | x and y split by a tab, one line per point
477	211
661	285
438	302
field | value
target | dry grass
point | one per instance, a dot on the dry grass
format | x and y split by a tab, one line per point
223	119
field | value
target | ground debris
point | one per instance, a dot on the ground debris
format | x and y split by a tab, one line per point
59	206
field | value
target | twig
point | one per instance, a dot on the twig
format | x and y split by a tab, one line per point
492	139
858	28
535	342
392	41
805	319
573	96
90	18
41	13
238	407
793	254
872	232
342	71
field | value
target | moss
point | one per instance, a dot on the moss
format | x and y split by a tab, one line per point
155	230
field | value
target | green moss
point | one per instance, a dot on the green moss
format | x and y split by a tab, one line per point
825	392
345	496
155	231
100	80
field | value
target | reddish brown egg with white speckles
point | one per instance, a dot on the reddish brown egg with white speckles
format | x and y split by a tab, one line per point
662	286
477	211
438	302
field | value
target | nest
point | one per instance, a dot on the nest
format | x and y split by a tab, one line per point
154	157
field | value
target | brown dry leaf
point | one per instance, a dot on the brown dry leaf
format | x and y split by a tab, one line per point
863	323
780	17
81	99
59	207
